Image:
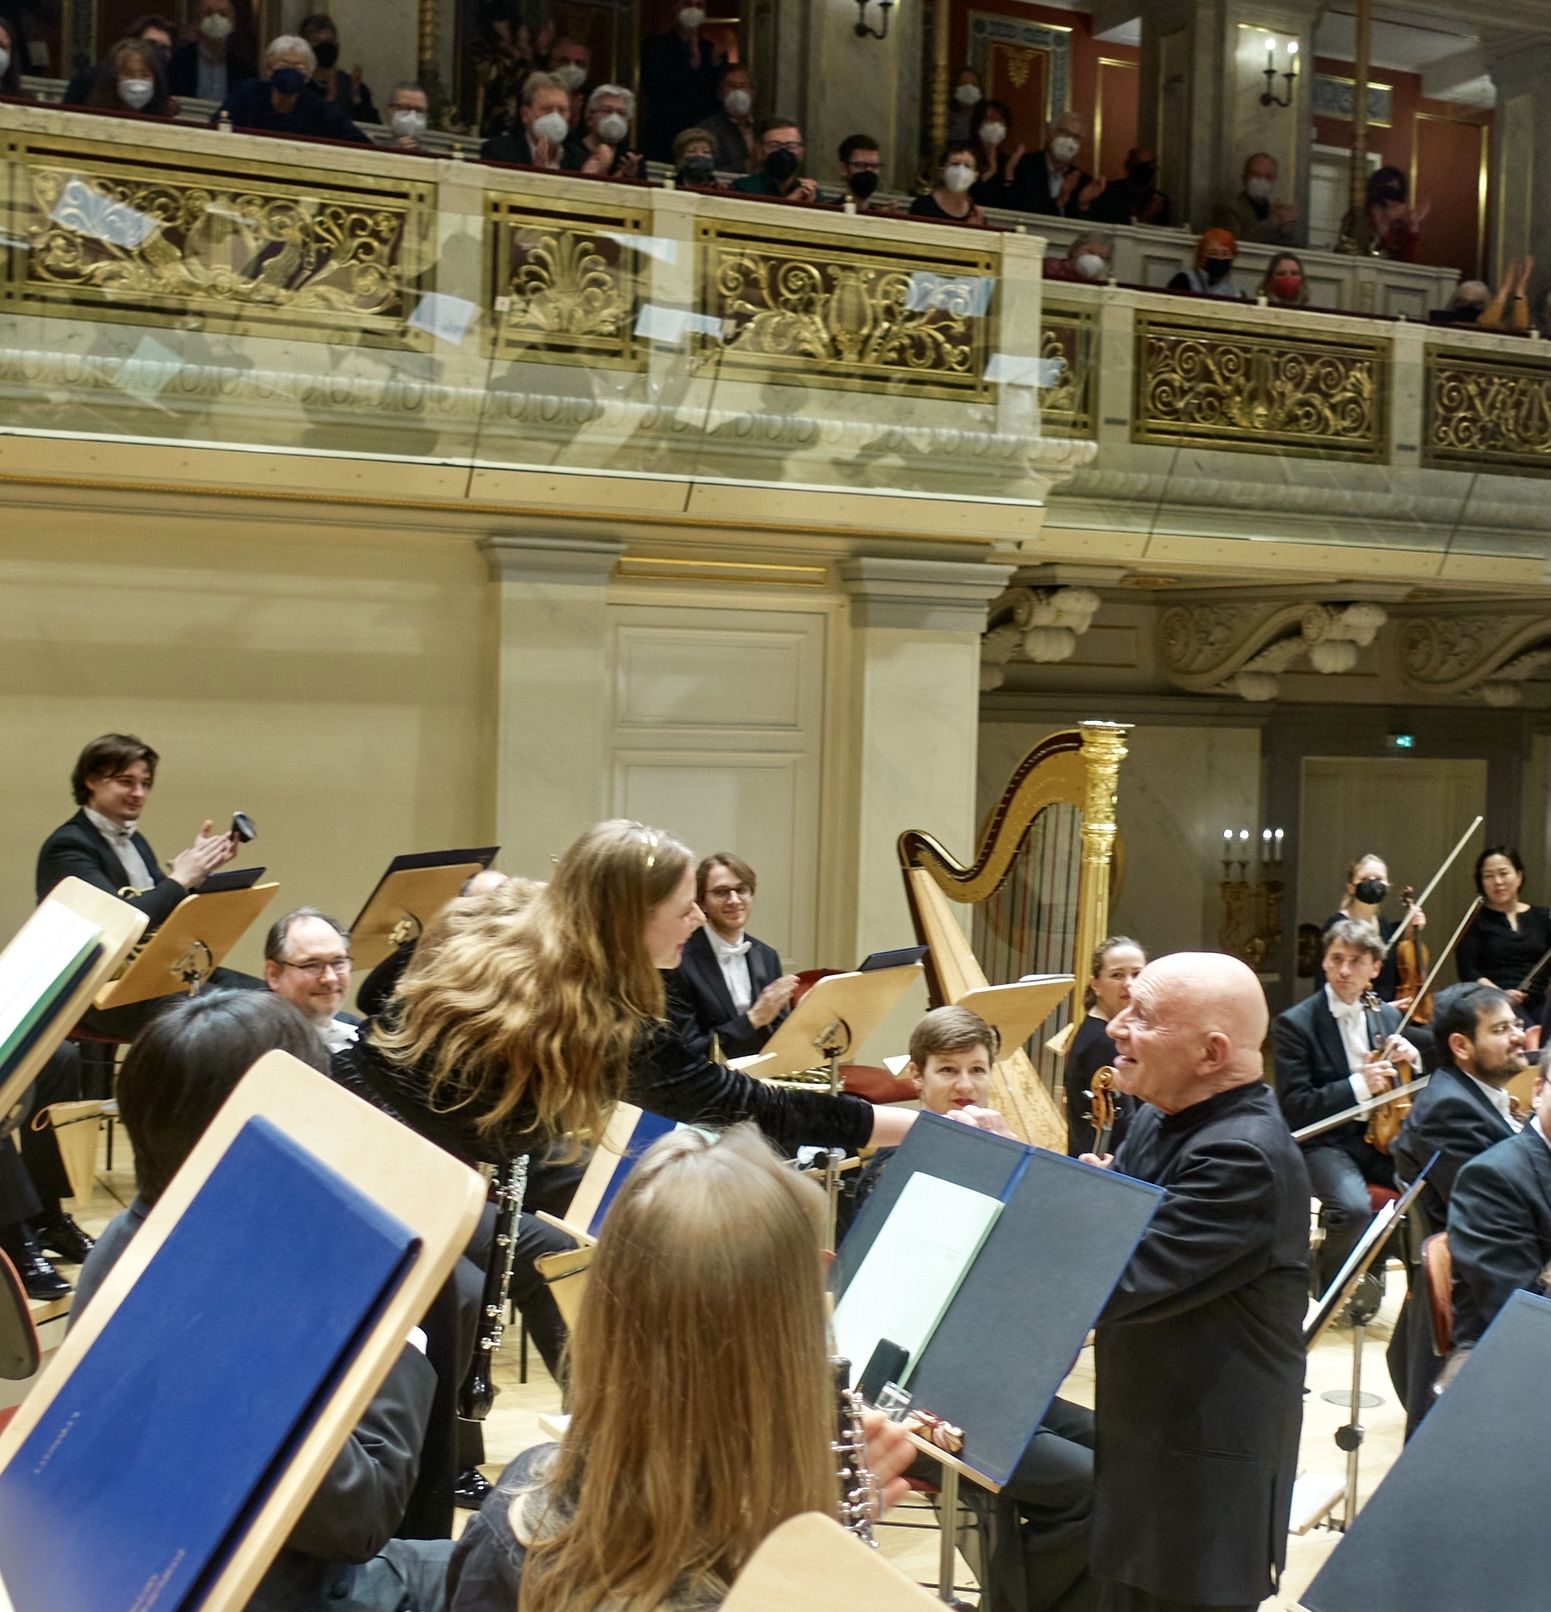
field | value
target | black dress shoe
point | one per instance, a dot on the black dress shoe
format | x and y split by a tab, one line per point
470	1489
40	1278
64	1239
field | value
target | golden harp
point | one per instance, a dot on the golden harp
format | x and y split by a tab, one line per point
1039	885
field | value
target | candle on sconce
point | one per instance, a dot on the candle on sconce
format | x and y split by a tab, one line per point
1227	850
1292	55
1270	55
1276	843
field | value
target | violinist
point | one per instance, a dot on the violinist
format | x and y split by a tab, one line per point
1509	937
1333	1049
1367	888
1116	962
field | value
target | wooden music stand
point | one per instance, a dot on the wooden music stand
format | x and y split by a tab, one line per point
424	1187
412	891
848	1006
1017	1010
812	1562
189	946
121	926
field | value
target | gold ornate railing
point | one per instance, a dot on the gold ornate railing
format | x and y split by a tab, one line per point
1487	411
835	313
1249	388
141	236
1068	339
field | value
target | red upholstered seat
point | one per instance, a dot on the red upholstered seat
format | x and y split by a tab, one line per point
1379	1196
1438	1275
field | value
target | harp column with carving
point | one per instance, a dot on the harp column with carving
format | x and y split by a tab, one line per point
1103	749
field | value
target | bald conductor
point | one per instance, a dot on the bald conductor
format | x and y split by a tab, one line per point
1199	1353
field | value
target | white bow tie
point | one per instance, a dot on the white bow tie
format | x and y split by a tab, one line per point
1347	1010
740	950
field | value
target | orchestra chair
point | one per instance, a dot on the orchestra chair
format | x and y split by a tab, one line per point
1438	1285
20	1351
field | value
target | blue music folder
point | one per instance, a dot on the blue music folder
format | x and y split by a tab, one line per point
142	1475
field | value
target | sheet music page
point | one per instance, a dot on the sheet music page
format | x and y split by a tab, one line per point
46	950
904	1286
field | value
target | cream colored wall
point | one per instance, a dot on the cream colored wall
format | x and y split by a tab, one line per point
327	685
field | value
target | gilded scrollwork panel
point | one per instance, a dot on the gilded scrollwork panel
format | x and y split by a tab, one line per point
1487	411
1067	347
564	285
1258	389
834	313
130	236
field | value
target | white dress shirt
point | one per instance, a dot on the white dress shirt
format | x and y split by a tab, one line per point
732	957
1498	1099
338	1034
121	836
1353	1025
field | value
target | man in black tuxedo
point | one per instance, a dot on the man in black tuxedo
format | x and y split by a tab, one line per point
1325	1062
1199	1353
1500	1223
727	985
1464	1111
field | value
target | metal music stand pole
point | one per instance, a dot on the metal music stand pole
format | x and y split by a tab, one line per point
832	1042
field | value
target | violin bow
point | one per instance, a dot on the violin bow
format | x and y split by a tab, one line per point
1405	923
1524	984
1433	972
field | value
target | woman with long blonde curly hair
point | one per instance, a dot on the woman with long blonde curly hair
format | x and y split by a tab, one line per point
530	1015
702	1399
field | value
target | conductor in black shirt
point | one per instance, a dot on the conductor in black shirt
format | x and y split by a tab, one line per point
728	985
1116	962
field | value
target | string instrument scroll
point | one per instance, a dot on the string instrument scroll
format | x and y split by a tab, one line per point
1101	1108
1412	960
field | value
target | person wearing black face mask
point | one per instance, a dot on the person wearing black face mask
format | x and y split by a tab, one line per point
694	162
330	80
1367	889
861	167
780	173
1212	275
1135	199
281	102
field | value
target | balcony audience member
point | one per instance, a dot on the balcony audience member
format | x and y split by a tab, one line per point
1465	306
1087	261
1135	198
408	112
153	30
1212	275
780	173
543	138
281	103
1509	308
678	81
329	79
1050	180
210	67
694	159
1389	225
861	167
735	146
950	198
1283	284
967	95
10	61
131	79
307	961
990	133
610	109
570	60
1507	937
1252	215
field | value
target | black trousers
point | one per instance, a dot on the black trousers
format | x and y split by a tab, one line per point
1341	1176
1117	1597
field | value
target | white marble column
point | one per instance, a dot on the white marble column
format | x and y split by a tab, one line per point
1521	162
551	703
914	717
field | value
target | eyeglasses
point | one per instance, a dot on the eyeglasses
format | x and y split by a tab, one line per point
318	967
740	892
784	145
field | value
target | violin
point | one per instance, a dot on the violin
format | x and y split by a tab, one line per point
1412	961
1384	1123
1101	1108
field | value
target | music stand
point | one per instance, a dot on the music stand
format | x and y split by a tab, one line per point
1016	1011
410	893
810	1561
119	926
189	946
421	1186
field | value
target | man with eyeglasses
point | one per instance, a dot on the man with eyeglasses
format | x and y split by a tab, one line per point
861	169
780	174
307	961
728	986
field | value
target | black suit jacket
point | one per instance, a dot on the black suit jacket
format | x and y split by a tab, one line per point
700	1005
1499	1230
1455	1119
183	68
1199	1356
1313	1079
76	850
1028	189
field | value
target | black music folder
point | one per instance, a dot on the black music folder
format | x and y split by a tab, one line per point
1460	1520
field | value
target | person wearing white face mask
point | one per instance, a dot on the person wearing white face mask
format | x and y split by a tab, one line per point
610	108
1051	181
679	73
951	198
1252	215
732	129
543	138
1086	262
407	114
209	66
130	79
962	101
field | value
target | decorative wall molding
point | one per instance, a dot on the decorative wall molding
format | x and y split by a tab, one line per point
1477	655
1243	648
1043	624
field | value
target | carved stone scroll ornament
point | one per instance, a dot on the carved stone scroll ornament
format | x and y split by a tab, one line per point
1493	656
1043	624
1243	648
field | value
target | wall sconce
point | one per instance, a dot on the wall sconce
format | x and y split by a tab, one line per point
863	29
1269	98
1251	926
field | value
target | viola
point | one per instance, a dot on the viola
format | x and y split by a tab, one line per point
1412	961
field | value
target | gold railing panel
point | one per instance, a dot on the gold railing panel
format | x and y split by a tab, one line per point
833	312
134	234
1070	337
563	281
1259	390
1487	411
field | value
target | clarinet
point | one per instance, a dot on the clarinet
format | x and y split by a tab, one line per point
478	1391
858	1488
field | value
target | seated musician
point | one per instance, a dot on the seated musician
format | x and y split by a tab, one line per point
1116	962
1500	1223
1464	1111
703	1403
307	961
341	1551
728	986
1331	1053
1367	888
